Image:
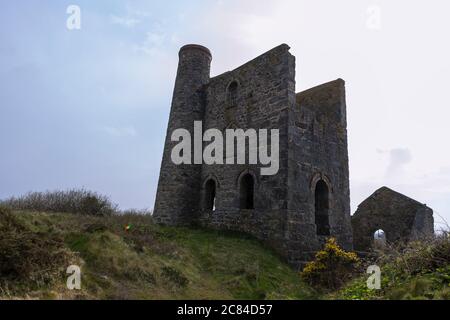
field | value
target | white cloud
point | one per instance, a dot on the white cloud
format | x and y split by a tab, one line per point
398	159
152	44
128	22
132	17
137	12
120	132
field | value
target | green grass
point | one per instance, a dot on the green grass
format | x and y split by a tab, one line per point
398	283
433	285
156	262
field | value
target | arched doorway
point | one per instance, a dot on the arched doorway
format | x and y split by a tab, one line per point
246	192
210	195
322	207
379	239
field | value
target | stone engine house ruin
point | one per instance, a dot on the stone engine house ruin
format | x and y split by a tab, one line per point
308	199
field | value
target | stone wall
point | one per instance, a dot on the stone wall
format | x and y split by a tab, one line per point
400	217
262	102
318	152
313	151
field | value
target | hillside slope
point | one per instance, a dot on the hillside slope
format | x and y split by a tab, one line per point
129	257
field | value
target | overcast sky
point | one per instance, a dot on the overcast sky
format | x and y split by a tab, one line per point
89	107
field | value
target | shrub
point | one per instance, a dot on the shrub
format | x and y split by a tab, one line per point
415	270
416	257
28	257
72	201
426	255
331	268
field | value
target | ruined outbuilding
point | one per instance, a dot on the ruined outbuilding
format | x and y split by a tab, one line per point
401	218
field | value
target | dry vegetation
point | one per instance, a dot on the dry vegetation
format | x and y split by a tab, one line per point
127	256
418	270
124	255
72	201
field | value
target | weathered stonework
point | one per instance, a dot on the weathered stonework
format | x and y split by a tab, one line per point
401	218
308	199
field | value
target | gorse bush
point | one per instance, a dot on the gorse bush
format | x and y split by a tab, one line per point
29	257
331	268
72	201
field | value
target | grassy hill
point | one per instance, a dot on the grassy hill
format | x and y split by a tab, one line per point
145	262
127	256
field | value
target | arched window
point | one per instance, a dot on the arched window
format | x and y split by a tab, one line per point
379	239
322	208
210	195
232	94
247	187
